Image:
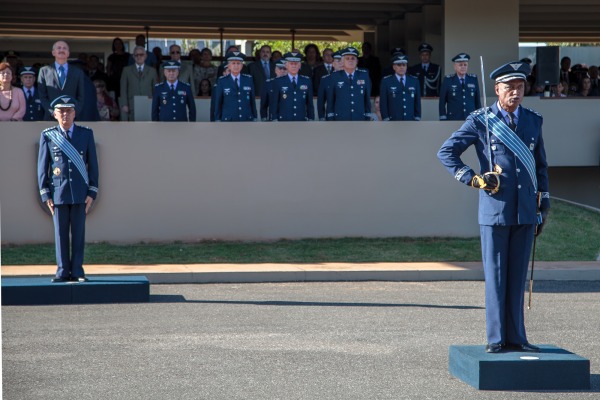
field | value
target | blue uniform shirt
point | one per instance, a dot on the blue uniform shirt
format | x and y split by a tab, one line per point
171	105
458	101
235	103
397	103
349	101
292	104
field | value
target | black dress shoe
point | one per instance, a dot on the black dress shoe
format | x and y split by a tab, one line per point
528	347
493	348
58	280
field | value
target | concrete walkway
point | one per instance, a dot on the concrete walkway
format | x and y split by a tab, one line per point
246	273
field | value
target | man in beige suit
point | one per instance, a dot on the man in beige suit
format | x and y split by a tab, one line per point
186	72
137	79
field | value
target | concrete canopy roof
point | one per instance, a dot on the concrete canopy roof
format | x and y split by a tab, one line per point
540	20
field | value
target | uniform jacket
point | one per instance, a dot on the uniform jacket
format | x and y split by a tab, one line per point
35	110
349	101
132	85
456	102
289	104
319	73
398	104
49	87
233	104
171	106
265	95
186	75
58	178
515	202
429	82
258	74
322	96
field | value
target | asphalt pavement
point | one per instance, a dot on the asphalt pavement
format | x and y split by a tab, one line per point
303	340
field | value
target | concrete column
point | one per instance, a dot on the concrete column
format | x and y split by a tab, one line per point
481	28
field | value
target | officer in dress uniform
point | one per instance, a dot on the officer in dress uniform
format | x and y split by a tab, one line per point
35	110
513	199
234	94
459	95
324	83
400	96
267	90
292	94
349	92
173	98
68	183
429	74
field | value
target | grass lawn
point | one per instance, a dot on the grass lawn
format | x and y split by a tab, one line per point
571	234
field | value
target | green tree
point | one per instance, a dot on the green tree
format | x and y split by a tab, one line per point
286	45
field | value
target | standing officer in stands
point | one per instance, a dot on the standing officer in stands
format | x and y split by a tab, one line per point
292	94
513	199
459	95
68	183
267	90
336	65
349	94
429	74
35	110
186	73
173	100
234	94
400	96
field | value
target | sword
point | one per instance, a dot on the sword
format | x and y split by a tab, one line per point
539	201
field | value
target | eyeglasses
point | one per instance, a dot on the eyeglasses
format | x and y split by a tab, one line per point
175	52
139	54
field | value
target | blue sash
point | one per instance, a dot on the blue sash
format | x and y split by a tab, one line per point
70	151
514	144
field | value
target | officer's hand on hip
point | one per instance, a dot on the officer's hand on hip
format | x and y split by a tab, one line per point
88	203
488	181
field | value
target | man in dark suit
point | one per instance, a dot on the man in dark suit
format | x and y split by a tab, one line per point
323	69
57	79
35	111
372	64
513	199
262	69
68	183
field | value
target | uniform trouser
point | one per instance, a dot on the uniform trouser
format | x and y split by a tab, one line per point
69	236
505	250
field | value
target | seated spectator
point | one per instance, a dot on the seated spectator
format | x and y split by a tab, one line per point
203	67
107	107
560	89
312	56
377	109
585	88
12	100
118	60
205	88
593	73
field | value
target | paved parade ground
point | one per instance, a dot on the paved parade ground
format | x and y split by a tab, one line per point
310	340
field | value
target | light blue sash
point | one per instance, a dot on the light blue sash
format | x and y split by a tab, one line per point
70	151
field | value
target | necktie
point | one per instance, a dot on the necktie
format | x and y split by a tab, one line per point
61	76
29	94
328	69
66	135
140	71
401	83
511	123
350	78
237	86
462	82
172	88
425	68
294	82
266	68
